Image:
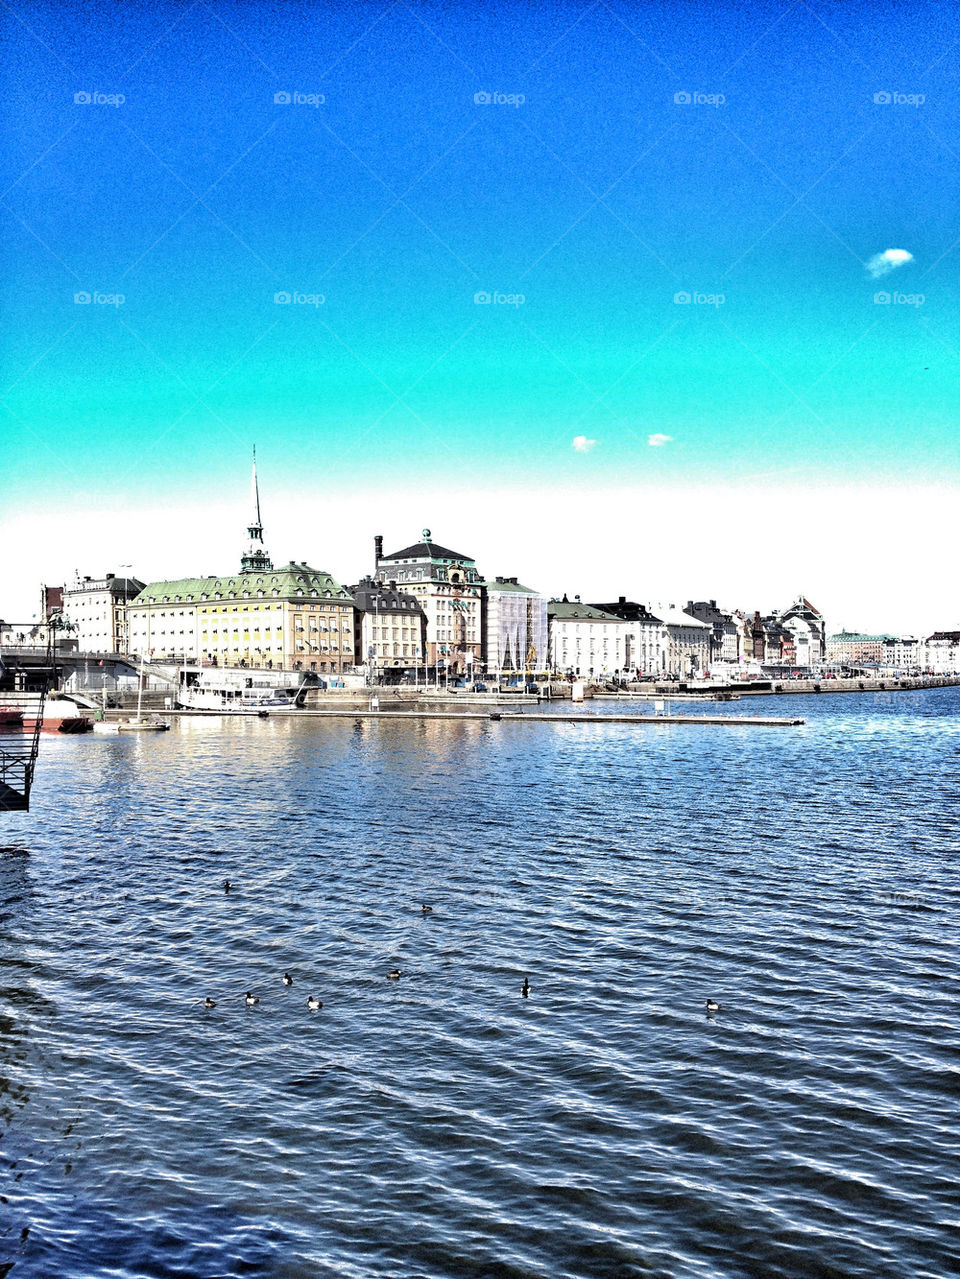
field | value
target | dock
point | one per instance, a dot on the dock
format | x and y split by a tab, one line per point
506	717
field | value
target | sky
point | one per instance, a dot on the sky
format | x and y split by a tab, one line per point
644	299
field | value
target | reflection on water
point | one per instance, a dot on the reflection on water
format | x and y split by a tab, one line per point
442	1124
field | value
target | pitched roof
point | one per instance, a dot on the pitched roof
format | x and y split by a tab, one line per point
283	583
515	587
427	551
565	610
628	611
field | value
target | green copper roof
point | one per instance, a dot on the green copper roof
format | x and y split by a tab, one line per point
292	581
856	637
564	610
515	587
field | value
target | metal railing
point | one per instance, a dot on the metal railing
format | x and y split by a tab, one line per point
18	759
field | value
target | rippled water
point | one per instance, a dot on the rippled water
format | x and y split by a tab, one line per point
441	1124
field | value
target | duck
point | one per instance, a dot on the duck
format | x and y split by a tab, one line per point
226	885
314	1003
712	1006
209	1003
425	909
525	988
394	974
251	1000
287	979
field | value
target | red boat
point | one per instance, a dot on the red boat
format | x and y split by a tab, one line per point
10	717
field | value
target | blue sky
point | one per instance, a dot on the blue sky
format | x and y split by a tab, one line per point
597	199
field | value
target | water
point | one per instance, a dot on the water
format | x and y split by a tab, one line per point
443	1125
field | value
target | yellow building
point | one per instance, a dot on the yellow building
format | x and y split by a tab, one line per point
295	617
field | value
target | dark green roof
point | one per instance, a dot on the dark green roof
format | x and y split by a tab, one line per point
289	582
564	610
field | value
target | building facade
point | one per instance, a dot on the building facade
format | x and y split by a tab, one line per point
725	635
96	606
390	631
515	630
805	623
852	648
684	643
943	653
448	589
642	635
295	618
585	640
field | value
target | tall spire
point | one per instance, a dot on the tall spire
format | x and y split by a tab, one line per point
255	558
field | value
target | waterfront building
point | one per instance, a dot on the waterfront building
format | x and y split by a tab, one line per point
904	653
778	643
448	588
33	636
943	653
295	617
96	607
853	648
684	642
806	624
724	637
642	635
584	640
390	630
515	627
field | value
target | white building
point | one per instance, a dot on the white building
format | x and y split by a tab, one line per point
684	642
448	589
641	640
97	609
905	654
515	627
943	653
391	631
585	640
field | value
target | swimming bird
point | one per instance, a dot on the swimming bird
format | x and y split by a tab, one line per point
712	1006
525	988
287	979
393	974
425	909
314	1003
251	1000
226	885
209	1003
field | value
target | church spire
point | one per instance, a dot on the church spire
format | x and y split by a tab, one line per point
255	558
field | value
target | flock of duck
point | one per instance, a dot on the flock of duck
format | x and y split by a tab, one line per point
313	1003
394	974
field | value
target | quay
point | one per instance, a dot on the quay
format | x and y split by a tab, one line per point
500	717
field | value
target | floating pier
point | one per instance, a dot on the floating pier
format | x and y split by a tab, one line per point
508	717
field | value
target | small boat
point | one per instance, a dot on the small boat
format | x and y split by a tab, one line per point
142	726
10	717
75	724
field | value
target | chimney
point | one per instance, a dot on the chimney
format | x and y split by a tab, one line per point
622	599
377	553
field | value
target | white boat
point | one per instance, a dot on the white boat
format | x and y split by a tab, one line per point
241	692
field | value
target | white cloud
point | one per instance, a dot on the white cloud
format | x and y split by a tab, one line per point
582	444
656	441
882	263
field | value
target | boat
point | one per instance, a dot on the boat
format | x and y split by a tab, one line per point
142	726
238	692
11	717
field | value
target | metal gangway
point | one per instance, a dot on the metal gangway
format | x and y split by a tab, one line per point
19	748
